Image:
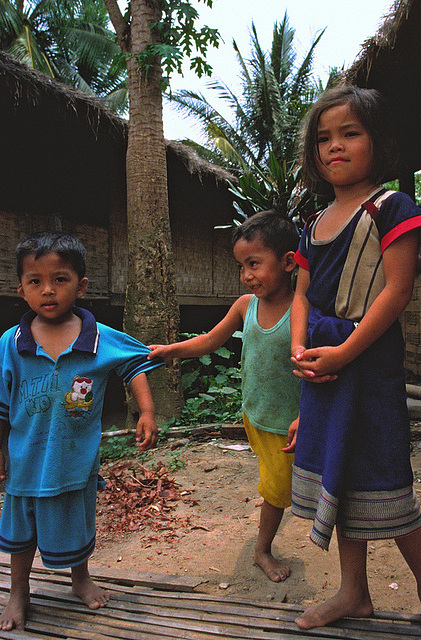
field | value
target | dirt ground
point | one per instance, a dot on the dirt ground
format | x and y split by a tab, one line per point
212	531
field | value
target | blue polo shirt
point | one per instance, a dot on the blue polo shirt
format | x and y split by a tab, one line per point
54	407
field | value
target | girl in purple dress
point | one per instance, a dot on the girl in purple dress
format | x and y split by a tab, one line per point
357	262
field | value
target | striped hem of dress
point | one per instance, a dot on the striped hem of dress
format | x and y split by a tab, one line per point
363	515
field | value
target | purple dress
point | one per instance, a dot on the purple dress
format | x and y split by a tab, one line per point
352	461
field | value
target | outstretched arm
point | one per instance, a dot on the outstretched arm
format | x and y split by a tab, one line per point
208	342
146	429
399	260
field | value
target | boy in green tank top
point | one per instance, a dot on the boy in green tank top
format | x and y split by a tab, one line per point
264	247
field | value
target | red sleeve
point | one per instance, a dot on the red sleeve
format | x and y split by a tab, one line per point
300	260
399	230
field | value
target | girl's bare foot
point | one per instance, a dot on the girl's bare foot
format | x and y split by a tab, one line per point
92	595
275	570
14	614
341	605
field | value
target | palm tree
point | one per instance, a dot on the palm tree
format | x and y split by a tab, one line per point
258	144
275	95
69	40
154	35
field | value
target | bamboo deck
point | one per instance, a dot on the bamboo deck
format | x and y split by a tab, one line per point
159	607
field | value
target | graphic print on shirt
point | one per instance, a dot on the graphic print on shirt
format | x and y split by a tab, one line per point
35	393
80	398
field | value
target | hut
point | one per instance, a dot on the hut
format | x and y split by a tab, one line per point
390	62
63	168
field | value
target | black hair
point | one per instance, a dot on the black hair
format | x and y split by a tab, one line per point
370	108
276	232
68	247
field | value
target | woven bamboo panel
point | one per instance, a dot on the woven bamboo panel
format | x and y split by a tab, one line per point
95	241
226	278
203	258
13	227
192	249
153	607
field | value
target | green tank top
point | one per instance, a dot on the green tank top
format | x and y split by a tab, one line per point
271	392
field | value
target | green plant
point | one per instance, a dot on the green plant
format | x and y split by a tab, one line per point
179	37
212	389
276	188
116	447
264	116
394	185
69	40
174	461
257	140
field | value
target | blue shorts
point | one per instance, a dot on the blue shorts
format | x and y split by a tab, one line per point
62	527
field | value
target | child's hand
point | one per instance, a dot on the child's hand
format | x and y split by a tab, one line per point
297	352
299	358
317	365
163	351
146	431
292	436
2	467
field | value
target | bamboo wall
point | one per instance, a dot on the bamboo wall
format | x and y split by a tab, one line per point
13	227
206	274
205	269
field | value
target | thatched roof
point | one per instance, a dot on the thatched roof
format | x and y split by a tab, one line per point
196	165
22	85
60	146
390	62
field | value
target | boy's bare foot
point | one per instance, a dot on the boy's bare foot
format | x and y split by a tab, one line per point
337	607
275	570
92	595
14	614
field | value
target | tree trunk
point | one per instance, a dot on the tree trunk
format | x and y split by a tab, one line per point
151	311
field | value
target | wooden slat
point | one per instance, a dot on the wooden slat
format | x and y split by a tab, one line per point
138	612
130	578
249	620
25	635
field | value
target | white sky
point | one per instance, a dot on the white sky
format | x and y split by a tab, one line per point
348	24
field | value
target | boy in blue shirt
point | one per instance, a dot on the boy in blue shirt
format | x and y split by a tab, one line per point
264	247
54	368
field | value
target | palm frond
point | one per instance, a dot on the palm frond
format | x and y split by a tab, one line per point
257	139
10	21
93	43
118	100
282	53
214	124
226	147
210	155
304	71
69	40
25	48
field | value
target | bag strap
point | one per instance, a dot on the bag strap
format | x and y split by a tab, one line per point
372	208
309	222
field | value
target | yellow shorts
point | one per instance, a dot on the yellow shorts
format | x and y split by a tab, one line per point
275	466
